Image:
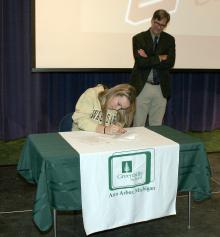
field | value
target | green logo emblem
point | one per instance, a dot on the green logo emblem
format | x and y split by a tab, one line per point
127	166
131	169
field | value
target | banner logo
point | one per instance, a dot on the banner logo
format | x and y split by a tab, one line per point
131	169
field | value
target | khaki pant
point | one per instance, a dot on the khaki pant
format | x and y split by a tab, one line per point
150	102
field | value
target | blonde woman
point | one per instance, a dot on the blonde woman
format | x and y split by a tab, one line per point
103	110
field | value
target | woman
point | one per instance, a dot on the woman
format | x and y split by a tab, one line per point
105	110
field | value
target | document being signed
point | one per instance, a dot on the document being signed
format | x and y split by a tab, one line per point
134	138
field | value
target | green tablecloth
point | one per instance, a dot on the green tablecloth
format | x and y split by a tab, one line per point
50	162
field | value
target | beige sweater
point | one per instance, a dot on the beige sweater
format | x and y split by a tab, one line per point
88	113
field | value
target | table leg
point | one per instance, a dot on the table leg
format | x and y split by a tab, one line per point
55	222
189	210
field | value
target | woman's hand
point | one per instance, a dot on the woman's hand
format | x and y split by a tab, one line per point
114	129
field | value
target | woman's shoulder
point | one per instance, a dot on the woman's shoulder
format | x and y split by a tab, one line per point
99	88
95	90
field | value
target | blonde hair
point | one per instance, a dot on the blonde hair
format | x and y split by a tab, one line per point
124	116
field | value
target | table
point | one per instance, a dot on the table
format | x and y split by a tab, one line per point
50	162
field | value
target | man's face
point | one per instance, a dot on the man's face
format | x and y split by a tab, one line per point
158	26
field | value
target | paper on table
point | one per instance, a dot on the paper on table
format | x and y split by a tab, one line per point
134	138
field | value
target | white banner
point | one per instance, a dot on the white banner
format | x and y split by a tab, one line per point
125	179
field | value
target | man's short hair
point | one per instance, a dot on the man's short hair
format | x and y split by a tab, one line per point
161	14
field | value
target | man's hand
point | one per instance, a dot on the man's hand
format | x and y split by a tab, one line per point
142	53
163	57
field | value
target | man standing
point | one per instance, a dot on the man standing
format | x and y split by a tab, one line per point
154	54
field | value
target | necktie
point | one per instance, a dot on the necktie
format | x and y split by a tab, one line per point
155	73
155	43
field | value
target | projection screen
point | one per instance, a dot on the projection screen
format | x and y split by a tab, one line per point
97	34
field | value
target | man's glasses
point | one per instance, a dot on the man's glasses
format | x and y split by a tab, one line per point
159	24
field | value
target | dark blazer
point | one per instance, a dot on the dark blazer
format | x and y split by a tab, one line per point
143	66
